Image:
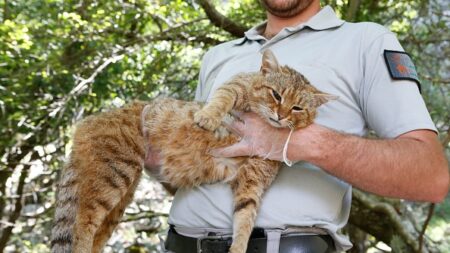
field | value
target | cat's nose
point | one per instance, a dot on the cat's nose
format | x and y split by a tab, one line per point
280	117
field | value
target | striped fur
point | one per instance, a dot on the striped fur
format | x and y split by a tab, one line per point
99	180
106	162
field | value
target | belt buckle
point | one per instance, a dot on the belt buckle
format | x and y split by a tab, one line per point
208	237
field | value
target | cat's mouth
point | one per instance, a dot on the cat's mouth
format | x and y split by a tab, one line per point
276	121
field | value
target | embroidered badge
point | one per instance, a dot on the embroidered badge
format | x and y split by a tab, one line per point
401	67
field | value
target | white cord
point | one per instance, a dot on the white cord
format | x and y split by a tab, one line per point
285	159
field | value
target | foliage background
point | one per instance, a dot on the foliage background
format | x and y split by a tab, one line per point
61	60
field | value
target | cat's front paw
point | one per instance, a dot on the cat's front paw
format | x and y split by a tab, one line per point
221	132
206	121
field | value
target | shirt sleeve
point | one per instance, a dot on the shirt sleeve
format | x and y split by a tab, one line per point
391	107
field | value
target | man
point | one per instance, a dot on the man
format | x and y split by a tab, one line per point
363	65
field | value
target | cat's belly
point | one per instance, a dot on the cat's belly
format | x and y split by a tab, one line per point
302	195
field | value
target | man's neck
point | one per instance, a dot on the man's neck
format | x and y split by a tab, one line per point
276	24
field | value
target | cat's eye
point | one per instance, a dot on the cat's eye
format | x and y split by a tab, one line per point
297	108
276	95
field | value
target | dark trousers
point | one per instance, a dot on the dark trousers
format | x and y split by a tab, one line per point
289	243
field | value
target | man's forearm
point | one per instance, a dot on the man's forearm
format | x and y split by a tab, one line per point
411	166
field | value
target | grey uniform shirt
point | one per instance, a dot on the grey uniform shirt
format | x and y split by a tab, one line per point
340	58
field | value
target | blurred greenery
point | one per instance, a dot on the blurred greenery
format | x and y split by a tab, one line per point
61	60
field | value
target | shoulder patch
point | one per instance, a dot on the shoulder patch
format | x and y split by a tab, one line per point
401	67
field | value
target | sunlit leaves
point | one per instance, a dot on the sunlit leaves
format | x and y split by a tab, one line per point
15	36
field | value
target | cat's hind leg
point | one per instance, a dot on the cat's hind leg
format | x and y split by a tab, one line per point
101	191
112	220
253	179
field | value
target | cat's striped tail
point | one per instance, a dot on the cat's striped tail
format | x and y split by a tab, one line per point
65	211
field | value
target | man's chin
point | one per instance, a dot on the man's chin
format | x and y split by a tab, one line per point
289	8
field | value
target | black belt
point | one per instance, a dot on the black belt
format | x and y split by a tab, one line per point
289	243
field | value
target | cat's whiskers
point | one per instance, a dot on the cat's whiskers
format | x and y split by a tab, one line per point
290	125
266	111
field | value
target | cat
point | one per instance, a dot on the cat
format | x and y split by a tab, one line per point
109	149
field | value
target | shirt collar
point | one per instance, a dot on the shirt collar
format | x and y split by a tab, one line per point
323	20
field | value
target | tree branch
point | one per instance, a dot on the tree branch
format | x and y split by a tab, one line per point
425	225
59	105
142	215
353	7
381	220
220	20
12	159
7	231
5	11
436	80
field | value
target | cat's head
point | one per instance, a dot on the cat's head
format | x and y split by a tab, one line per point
284	97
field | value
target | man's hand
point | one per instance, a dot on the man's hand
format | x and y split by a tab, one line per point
258	138
152	165
152	162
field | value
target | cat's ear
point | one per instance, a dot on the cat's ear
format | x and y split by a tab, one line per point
269	62
321	98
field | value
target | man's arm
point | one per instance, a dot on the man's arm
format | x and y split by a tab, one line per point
412	166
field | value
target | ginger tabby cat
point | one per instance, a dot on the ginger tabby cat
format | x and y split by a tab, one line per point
109	149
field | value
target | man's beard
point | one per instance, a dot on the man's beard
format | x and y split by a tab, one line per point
286	9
